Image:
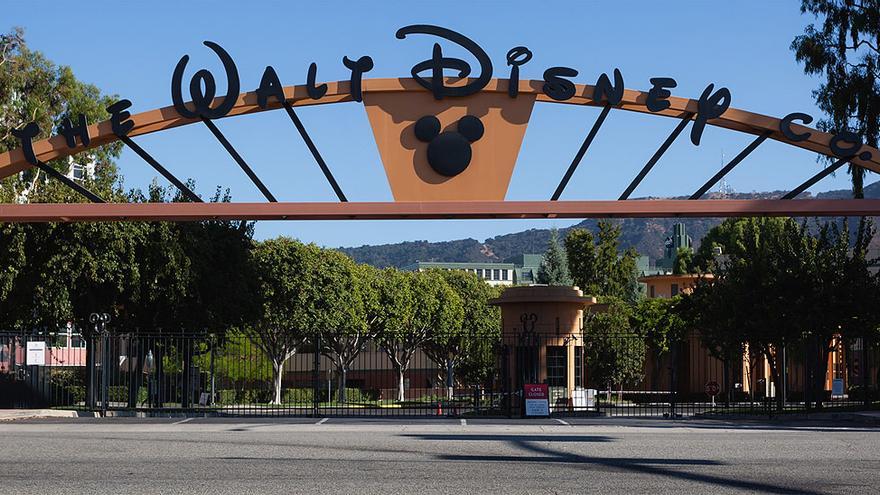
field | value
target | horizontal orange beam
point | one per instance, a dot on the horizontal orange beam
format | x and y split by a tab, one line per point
178	212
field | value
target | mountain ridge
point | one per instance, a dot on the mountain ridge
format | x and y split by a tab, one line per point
646	235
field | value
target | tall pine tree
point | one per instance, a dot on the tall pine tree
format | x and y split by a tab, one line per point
554	268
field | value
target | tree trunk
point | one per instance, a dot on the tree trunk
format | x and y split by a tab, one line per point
278	372
341	383
400	392
774	375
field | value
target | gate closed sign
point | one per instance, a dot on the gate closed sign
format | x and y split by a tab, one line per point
36	353
537	399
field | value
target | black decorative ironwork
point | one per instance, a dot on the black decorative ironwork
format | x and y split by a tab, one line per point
580	154
239	160
727	168
657	154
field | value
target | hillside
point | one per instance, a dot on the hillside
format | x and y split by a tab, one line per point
646	235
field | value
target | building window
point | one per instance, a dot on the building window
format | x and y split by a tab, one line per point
503	274
674	290
578	366
480	272
556	366
496	275
651	290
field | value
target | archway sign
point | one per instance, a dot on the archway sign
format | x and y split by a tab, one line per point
448	144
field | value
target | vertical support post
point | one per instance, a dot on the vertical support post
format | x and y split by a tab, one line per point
91	401
808	375
213	382
132	374
505	379
783	379
316	379
186	393
673	381
864	369
105	370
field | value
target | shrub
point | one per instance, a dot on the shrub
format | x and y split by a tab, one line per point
298	396
257	396
226	397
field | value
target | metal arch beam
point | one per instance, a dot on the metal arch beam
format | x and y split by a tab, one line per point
733	163
825	172
239	160
580	154
94	198
314	150
12	162
187	192
685	120
84	212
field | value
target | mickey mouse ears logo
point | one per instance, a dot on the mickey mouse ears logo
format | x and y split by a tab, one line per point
454	149
449	153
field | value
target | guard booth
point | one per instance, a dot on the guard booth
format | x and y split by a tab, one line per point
542	343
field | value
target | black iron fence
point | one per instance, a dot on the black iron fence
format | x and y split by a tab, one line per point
614	375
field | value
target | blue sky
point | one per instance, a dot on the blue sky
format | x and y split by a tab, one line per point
130	49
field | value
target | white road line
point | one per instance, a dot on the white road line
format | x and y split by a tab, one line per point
463	422
566	423
187	420
322	421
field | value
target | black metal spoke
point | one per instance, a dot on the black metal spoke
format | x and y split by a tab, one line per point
162	170
657	154
94	198
580	154
238	159
727	168
311	145
816	178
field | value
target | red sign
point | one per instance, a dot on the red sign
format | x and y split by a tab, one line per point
712	388
536	399
536	391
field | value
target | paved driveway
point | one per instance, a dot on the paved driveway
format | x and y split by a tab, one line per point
122	455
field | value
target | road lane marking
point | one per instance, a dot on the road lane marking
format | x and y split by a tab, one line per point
566	423
463	422
187	420
322	421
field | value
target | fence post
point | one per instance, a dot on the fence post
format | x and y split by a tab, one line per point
105	370
90	370
133	385
186	393
865	369
316	379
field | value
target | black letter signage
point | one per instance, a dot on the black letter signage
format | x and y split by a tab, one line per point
438	62
555	86
710	106
26	135
516	57
657	95
71	132
202	100
614	94
357	67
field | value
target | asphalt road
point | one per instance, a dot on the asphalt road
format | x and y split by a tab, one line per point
353	456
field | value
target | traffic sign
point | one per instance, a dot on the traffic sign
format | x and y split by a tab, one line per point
712	388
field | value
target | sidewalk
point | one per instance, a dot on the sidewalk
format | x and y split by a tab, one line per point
13	414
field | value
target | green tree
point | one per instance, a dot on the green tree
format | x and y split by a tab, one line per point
660	321
615	351
349	296
460	345
554	268
684	261
413	304
596	265
845	49
284	270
